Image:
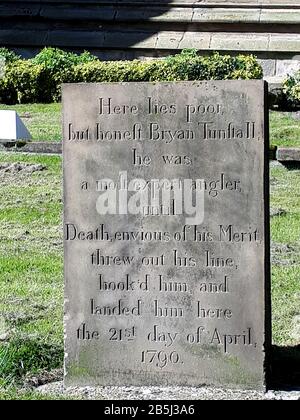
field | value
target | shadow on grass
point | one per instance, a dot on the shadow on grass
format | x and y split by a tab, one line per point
285	368
291	166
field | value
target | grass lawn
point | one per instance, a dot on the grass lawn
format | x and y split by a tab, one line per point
284	129
31	273
31	276
285	235
44	123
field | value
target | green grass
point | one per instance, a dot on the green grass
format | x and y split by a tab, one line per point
284	130
12	393
285	194
44	124
21	395
31	269
31	273
285	229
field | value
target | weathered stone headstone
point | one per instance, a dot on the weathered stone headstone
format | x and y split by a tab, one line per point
166	234
12	127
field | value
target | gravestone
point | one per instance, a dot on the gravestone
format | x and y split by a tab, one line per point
12	127
166	234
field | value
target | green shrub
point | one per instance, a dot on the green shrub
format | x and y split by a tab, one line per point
291	88
9	56
39	79
189	66
110	71
6	94
184	66
57	65
24	82
56	60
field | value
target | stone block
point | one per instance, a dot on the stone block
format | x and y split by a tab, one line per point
166	237
12	127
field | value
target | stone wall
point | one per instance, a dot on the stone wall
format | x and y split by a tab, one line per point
140	28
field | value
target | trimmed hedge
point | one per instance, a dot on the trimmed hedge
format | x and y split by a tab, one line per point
39	79
23	83
179	67
291	88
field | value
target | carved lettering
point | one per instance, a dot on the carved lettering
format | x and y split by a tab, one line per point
213	313
165	311
120	309
229	233
165	233
107	107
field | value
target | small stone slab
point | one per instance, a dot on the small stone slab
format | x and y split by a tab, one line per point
288	154
32	147
40	147
12	127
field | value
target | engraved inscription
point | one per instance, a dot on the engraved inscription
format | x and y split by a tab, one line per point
165	234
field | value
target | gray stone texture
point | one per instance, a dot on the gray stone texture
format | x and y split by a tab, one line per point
148	26
279	69
152	300
285	68
40	147
269	67
288	154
